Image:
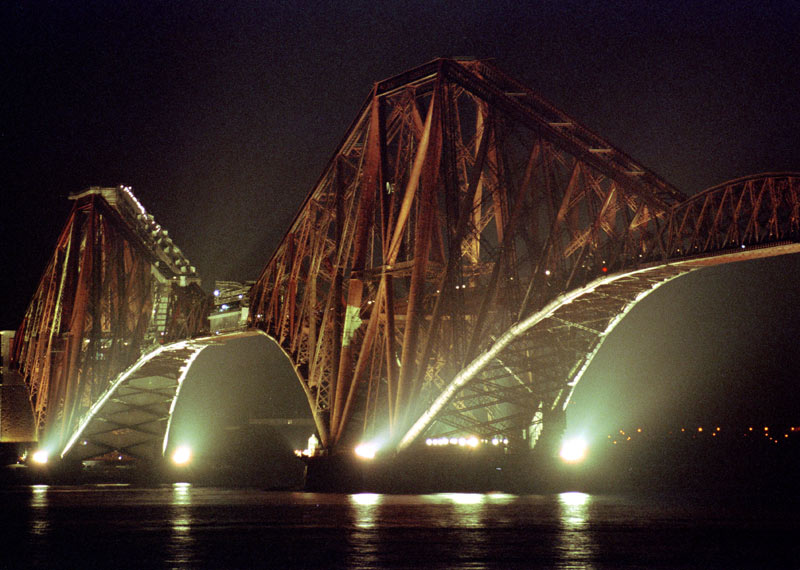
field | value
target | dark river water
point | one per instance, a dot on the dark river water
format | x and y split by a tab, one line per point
183	526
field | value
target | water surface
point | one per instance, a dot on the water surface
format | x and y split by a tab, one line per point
182	526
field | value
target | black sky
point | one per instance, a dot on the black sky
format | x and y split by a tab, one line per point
221	116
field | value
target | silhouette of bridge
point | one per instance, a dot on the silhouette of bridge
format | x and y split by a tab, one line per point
451	274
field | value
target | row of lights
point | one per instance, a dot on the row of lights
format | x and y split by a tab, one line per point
622	435
573	450
368	450
471	441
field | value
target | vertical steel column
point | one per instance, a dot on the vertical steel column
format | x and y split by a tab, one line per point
364	220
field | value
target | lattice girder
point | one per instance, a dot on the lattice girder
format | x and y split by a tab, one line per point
454	192
551	362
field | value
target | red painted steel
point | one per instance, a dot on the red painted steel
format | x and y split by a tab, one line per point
458	204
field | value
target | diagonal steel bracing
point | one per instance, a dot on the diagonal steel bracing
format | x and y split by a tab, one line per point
133	415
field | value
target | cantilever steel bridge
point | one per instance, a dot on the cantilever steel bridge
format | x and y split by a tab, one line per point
453	272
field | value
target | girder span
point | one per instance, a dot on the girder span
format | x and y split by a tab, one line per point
133	416
458	202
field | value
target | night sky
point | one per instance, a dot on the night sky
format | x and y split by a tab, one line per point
221	116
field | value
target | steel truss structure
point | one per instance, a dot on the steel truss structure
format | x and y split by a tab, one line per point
467	250
115	287
452	273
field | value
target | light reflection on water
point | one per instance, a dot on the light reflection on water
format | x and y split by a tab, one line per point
364	540
464	510
40	523
181	545
468	513
458	527
39	528
575	540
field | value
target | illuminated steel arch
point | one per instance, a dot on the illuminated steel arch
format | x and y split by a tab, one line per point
469	247
134	415
743	219
554	345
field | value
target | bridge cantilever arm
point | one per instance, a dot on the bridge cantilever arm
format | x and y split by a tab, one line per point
122	378
470	371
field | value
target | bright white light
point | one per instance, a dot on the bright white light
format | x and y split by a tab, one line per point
573	498
366	450
313	445
465	498
366	499
182	455
573	450
41	456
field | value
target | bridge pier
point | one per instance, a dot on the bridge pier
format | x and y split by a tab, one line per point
339	473
17	424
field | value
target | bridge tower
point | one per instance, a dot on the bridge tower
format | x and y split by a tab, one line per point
115	287
458	203
450	276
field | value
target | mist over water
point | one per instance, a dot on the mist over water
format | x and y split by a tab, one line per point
184	526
